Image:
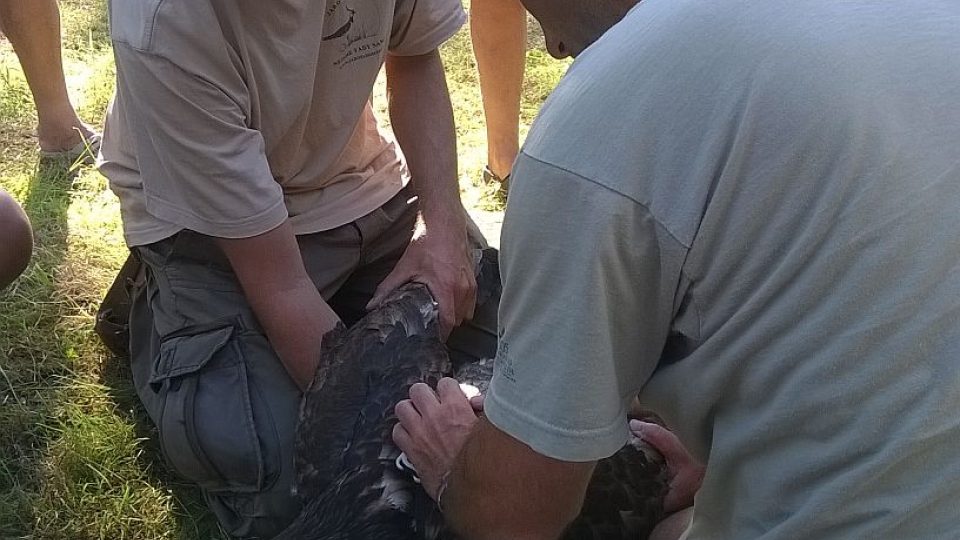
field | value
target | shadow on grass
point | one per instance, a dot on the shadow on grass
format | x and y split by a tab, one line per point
48	203
29	395
75	461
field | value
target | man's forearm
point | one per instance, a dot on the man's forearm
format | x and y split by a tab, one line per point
500	488
422	119
287	304
295	321
438	255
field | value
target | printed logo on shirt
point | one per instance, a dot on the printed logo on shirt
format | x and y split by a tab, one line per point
355	25
504	364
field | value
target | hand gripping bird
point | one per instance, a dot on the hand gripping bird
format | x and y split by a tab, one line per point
347	474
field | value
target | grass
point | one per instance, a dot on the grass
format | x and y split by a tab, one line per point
76	459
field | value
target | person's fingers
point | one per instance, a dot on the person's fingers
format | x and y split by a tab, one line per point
402	438
448	317
477	403
412	422
469	301
459	304
686	474
408	415
664	440
424	398
377	298
449	390
389	283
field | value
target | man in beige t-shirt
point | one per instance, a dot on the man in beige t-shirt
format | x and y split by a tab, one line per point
267	206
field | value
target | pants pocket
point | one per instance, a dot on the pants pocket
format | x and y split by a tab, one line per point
206	423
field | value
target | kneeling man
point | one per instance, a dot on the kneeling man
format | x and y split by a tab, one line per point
266	206
746	211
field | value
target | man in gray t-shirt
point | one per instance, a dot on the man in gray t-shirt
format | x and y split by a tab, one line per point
746	212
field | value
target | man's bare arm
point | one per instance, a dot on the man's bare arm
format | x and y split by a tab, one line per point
497	487
293	314
501	488
422	119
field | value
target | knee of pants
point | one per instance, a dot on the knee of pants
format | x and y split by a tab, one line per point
226	413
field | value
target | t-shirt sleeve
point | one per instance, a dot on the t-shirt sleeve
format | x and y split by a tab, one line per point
589	281
420	26
201	167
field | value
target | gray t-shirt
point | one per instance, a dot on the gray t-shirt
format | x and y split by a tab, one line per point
231	117
748	211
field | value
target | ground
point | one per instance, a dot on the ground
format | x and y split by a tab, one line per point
76	460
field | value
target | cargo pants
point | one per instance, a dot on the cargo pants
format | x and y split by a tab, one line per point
225	408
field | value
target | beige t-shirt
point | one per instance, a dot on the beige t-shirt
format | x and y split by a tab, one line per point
230	117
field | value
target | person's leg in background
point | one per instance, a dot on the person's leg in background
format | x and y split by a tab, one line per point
16	239
33	27
498	29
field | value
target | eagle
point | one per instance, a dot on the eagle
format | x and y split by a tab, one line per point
347	474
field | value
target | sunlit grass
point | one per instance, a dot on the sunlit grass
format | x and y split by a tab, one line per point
76	458
71	463
83	25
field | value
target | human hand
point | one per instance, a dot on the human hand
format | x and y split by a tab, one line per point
440	260
684	473
432	428
477	403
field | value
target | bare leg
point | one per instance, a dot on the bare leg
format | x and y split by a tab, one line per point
16	240
499	30
33	27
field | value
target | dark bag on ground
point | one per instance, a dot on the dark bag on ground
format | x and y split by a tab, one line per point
113	317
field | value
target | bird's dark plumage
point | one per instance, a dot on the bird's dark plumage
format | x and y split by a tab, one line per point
345	456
